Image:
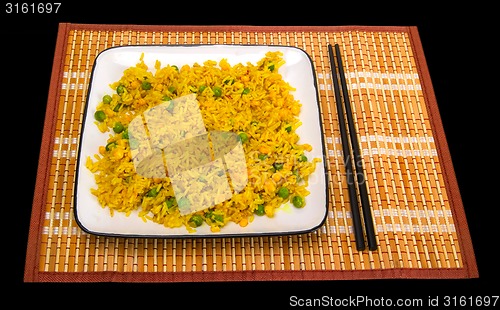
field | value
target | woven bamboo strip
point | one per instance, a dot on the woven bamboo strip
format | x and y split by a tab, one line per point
410	204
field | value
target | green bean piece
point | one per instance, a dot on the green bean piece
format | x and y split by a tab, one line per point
107	99
100	115
109	145
298	201
283	192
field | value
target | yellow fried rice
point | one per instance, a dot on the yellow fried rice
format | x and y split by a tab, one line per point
252	101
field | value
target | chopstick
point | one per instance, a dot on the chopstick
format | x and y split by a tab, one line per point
356	179
353	195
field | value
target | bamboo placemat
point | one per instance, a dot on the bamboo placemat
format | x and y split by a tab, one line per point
420	223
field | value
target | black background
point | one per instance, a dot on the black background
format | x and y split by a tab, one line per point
455	41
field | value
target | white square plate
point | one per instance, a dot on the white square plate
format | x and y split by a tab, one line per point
298	71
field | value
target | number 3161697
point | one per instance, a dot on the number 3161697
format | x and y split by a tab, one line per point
32	8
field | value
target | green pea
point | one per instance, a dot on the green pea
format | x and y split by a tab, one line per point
166	98
118	127
302	158
195	221
246	91
243	137
288	128
283	192
146	85
107	99
171	89
217	91
100	115
271	68
202	88
260	210
120	89
117	107
298	201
